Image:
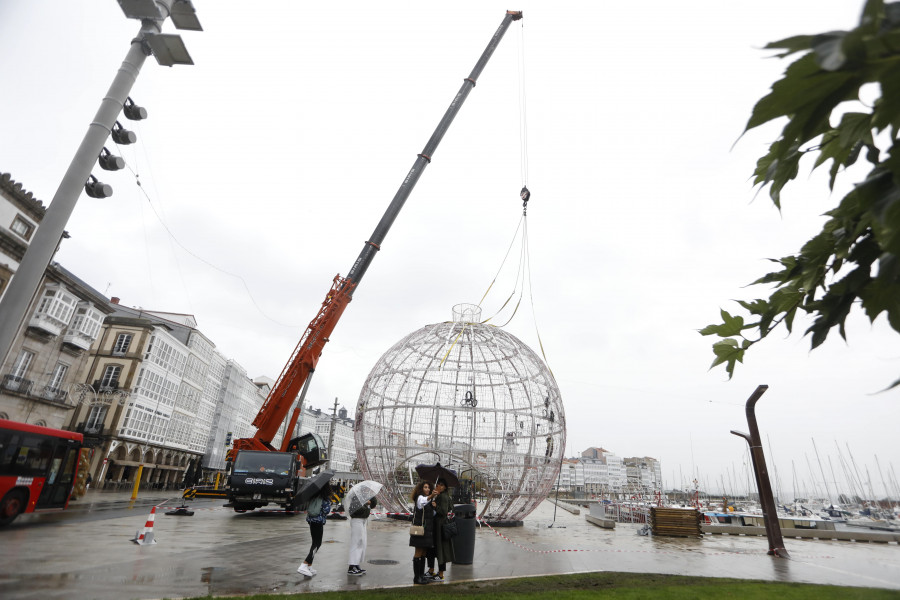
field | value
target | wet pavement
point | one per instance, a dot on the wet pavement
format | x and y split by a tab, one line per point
85	552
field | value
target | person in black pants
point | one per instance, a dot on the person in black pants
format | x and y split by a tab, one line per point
316	515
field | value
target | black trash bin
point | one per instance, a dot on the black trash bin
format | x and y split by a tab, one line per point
464	542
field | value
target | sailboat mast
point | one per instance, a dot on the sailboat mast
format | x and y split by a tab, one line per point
812	475
774	468
824	479
887	492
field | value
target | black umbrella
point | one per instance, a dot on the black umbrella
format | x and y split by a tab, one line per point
435	472
314	486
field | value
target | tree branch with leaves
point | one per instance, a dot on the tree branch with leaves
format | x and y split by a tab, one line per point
853	260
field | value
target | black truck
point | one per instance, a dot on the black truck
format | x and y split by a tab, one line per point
262	477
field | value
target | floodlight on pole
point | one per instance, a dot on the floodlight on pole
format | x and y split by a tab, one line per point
132	111
184	16
168	49
141	9
110	162
97	189
122	135
24	286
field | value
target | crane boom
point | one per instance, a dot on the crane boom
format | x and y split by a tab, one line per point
295	377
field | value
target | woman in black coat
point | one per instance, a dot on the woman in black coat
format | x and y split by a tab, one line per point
443	546
423	514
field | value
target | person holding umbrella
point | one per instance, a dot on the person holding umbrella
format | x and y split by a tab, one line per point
360	500
443	546
423	515
316	515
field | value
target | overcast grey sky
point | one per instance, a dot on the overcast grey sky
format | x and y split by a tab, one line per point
274	156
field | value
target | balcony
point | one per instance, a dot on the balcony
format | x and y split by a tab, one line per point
110	386
54	394
19	385
47	324
78	339
95	429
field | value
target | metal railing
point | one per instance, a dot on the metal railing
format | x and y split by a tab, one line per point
16	384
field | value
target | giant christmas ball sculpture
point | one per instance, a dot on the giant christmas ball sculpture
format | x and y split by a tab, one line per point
472	397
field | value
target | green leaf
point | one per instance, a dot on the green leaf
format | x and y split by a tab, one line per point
727	352
893	385
757	307
789	319
872	13
881	296
734	324
833	311
887	109
797	43
730	326
803	84
828	50
786	299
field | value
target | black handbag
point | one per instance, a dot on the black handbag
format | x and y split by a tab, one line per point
450	529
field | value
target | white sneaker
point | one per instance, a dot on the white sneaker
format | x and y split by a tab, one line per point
304	569
313	571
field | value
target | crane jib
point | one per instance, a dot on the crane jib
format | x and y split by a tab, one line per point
362	262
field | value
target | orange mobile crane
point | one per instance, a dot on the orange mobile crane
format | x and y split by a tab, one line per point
251	484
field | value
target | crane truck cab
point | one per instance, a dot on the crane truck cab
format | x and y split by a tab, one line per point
262	477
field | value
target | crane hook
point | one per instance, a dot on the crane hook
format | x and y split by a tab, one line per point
525	195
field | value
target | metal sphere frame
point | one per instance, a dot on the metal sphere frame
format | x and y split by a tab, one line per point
472	397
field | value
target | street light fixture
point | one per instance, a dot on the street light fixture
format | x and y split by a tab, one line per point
168	49
132	111
110	162
97	189
122	135
184	16
140	9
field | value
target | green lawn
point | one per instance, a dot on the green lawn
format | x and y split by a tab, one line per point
625	586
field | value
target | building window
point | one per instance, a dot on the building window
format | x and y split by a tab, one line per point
59	373
58	305
165	355
87	321
22	363
122	344
22	227
110	376
95	419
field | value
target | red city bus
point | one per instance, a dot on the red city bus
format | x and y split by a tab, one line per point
38	466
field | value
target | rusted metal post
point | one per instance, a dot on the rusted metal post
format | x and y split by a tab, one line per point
766	499
749	439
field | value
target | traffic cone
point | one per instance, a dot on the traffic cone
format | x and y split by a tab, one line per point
145	536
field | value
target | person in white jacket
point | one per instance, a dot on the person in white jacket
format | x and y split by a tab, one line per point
359	538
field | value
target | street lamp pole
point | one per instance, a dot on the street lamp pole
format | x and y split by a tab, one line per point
24	285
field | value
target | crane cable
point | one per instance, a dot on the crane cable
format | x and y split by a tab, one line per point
523	272
524	194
